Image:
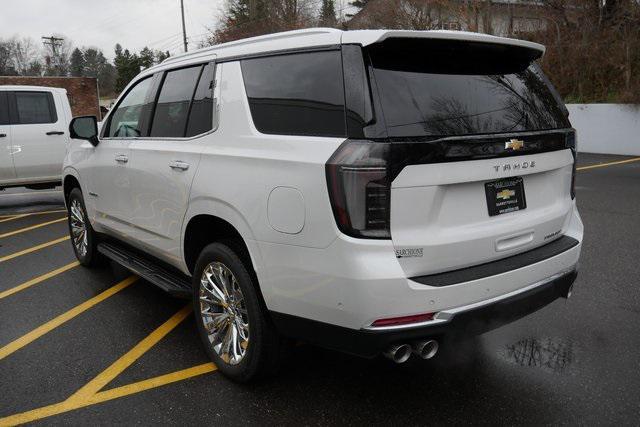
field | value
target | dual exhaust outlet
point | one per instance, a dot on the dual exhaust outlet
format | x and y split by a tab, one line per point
400	353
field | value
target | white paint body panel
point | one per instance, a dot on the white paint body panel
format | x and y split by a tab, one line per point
36	156
273	190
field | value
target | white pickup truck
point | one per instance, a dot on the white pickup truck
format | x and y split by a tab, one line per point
33	135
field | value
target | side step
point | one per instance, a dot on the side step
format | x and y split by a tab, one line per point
173	283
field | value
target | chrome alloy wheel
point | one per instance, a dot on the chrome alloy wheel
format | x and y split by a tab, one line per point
78	228
224	313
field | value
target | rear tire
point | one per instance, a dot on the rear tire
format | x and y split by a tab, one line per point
84	239
235	330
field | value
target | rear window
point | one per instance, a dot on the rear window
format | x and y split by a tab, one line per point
442	88
296	94
35	107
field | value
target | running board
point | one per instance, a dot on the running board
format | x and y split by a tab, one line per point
171	282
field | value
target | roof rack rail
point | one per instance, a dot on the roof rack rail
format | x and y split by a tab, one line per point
267	37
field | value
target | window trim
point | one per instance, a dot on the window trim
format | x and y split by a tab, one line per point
14	117
290	52
155	93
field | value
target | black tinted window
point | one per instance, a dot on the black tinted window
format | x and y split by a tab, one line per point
35	107
131	115
4	108
441	88
298	94
172	108
201	115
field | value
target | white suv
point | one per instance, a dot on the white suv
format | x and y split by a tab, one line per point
361	190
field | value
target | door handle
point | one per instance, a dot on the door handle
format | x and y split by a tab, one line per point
179	165
122	158
55	132
2	135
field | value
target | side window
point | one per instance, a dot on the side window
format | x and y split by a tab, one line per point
4	108
201	115
296	94
35	107
128	119
172	108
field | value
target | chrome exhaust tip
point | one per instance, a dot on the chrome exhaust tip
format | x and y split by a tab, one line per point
425	349
399	353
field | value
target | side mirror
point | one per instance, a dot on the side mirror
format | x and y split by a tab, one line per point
85	127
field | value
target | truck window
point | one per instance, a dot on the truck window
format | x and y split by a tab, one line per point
296	94
4	109
201	115
35	107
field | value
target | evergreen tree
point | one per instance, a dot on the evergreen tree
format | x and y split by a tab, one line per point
77	63
328	14
127	67
147	58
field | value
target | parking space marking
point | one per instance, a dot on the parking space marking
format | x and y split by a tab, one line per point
34	248
5	218
63	318
90	393
106	376
602	165
32	227
38	279
12	217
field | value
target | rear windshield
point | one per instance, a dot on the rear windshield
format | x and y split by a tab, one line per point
441	88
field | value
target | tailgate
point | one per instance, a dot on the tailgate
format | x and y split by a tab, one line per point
440	219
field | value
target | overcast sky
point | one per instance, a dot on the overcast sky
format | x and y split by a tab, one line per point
103	23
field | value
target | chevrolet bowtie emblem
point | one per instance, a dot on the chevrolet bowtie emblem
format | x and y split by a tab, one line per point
514	144
505	194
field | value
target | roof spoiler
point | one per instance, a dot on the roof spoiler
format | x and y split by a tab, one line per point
368	37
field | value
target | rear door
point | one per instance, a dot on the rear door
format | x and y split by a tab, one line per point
483	147
38	135
7	171
162	166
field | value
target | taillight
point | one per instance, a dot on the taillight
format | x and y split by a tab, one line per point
360	188
572	143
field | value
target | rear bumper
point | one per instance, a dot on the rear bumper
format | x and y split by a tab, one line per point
472	319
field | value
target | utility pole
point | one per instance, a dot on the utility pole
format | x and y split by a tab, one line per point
184	31
53	42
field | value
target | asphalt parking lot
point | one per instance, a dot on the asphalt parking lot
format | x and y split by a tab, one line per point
82	346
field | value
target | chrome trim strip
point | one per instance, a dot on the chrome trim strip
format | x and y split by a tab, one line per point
445	316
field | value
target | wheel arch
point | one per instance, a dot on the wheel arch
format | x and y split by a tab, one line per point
70	181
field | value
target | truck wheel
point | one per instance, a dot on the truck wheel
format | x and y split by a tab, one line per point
83	238
234	329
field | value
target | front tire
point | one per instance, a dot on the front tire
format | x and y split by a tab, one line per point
234	328
83	239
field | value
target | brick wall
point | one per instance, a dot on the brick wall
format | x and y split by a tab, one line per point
81	91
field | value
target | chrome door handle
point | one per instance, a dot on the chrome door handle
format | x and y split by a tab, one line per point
121	158
180	165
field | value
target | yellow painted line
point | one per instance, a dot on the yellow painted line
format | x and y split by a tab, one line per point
32	227
103	396
602	165
38	279
63	318
12	217
106	376
22	215
33	249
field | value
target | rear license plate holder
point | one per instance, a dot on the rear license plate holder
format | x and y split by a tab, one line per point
505	195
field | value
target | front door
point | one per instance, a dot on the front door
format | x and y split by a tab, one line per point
111	189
